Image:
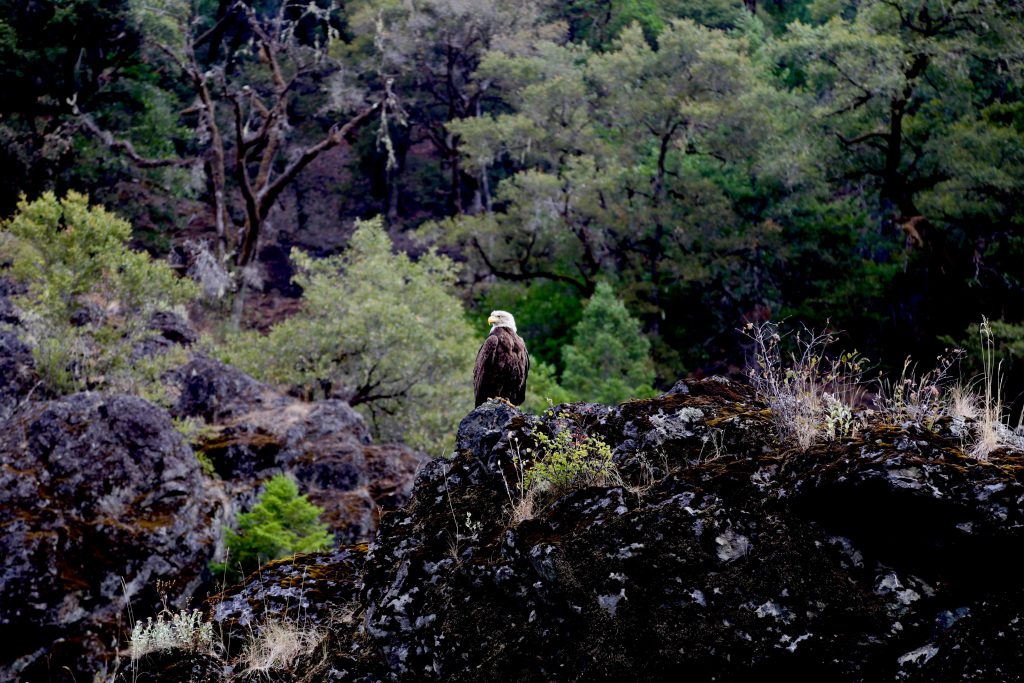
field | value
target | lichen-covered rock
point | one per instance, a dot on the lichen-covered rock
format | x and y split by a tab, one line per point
174	666
214	391
8	314
326	446
102	504
171	331
311	591
890	556
17	373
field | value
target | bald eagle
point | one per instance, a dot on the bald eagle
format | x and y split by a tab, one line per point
502	362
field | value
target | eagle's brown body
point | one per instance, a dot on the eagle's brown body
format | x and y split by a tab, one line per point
501	367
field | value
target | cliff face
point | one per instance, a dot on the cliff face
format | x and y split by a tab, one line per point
890	556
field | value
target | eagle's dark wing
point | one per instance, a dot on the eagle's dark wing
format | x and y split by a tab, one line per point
484	372
523	364
501	368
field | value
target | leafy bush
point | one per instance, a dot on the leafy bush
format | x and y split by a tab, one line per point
571	460
280	524
378	329
90	297
609	360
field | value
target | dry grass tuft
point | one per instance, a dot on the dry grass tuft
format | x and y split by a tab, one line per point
278	644
813	395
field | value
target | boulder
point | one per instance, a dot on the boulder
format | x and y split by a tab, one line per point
215	392
309	590
325	445
171	331
106	517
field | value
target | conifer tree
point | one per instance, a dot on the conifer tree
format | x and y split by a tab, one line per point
280	524
609	360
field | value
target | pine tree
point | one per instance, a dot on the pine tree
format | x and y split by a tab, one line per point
280	524
609	360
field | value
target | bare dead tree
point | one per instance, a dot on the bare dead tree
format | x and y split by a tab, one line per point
248	153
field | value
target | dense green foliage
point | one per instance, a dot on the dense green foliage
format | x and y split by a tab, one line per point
378	329
281	523
570	460
856	163
90	297
608	361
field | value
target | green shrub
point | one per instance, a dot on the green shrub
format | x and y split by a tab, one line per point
281	523
543	389
571	460
378	329
75	258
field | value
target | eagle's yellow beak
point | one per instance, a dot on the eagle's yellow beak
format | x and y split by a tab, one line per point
491	320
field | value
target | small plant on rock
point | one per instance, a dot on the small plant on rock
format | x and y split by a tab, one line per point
993	430
277	644
812	395
920	399
182	630
570	460
281	523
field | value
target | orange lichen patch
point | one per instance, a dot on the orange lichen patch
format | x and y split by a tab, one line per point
221	442
154	522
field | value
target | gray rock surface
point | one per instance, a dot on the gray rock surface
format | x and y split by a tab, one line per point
101	500
18	376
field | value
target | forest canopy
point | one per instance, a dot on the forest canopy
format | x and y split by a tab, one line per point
684	167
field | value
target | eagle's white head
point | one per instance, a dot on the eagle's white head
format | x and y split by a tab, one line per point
501	319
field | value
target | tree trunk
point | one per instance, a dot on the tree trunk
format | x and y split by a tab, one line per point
456	174
895	191
238	303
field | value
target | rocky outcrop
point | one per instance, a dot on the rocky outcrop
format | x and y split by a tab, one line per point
255	432
18	378
169	330
307	590
215	392
719	556
108	517
103	506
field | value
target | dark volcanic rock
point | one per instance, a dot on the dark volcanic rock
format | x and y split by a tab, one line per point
715	556
8	314
17	373
101	501
310	590
214	391
171	330
174	666
325	446
890	556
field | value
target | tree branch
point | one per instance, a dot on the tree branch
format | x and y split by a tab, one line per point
126	147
